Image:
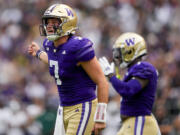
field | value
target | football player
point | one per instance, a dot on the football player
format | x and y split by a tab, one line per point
76	70
138	86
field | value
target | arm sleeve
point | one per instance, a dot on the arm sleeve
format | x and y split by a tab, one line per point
85	51
129	88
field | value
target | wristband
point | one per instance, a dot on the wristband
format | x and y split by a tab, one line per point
100	114
38	53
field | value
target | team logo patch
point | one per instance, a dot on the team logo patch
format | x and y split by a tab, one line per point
130	41
69	12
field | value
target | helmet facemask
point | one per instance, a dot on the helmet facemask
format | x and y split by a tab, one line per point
57	29
117	56
119	59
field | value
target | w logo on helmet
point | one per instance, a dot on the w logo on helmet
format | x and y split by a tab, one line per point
69	12
130	41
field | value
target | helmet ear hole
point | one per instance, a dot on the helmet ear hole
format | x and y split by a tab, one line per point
129	52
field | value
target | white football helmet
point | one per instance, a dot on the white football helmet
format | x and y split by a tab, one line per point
127	48
67	21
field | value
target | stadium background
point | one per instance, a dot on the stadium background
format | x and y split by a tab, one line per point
28	96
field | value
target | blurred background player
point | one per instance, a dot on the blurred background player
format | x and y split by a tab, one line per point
73	64
138	86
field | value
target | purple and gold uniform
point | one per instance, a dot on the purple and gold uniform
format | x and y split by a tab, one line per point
136	102
138	87
76	89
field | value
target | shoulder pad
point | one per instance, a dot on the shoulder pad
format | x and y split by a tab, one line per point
84	50
143	70
46	42
80	42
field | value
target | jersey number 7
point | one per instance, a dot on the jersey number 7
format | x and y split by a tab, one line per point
56	69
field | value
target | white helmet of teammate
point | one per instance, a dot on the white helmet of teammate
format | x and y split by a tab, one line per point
127	48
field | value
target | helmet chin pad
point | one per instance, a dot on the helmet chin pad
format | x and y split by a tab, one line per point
53	37
124	65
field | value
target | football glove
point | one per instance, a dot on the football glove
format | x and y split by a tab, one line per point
106	66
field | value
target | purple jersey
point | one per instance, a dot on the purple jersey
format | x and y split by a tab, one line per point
74	85
141	102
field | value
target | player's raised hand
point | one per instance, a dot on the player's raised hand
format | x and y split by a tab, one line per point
33	48
106	66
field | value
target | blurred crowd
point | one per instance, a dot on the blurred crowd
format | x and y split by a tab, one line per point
28	95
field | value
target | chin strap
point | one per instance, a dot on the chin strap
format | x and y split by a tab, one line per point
100	114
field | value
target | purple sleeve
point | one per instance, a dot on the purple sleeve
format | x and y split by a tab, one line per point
85	50
129	88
